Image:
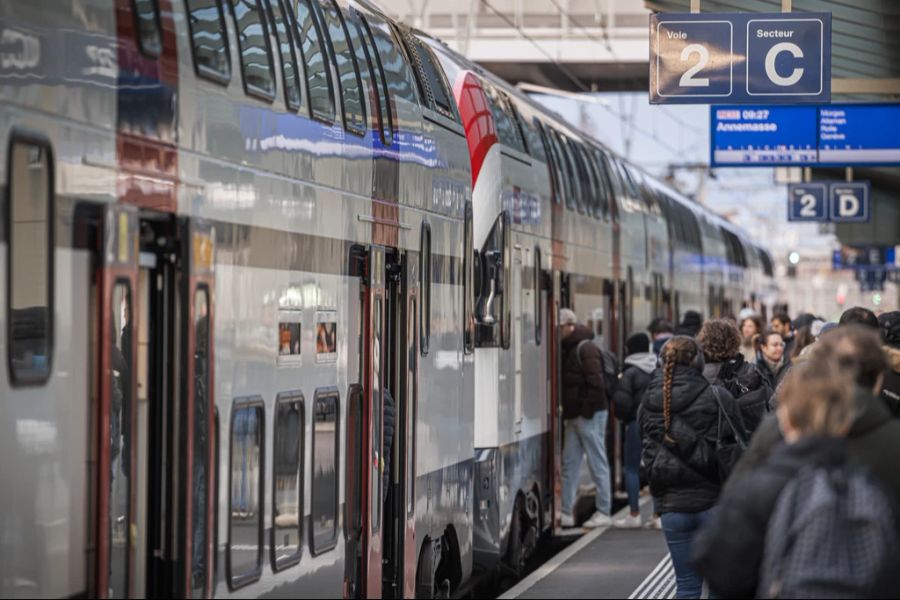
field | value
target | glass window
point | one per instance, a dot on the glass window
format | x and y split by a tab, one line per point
350	85
281	20
564	190
253	43
287	480
318	73
555	191
601	189
506	127
366	68
208	39
573	201
535	143
425	271
245	529
146	15
378	77
396	68
325	463
200	474
30	262
431	77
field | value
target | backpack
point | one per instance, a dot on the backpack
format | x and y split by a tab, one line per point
610	366
833	534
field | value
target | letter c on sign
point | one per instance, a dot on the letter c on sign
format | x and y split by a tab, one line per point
772	55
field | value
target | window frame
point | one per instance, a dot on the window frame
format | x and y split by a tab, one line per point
38	140
379	79
249	89
284	6
350	128
203	71
242	580
320	393
324	45
145	50
425	276
292	559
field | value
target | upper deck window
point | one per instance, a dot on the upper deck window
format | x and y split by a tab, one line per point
396	68
281	24
209	41
349	81
318	74
253	42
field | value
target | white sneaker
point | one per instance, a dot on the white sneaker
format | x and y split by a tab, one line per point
566	520
629	521
598	520
654	523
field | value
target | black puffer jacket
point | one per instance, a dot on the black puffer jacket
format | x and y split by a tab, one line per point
728	551
748	386
635	378
683	471
584	389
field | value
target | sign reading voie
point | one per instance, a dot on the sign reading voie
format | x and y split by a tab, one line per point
740	58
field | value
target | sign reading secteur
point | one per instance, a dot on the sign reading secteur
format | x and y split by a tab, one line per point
740	58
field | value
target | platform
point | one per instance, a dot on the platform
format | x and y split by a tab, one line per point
606	563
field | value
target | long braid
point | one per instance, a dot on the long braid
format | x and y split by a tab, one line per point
668	374
679	350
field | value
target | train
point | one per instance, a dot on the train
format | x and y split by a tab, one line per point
280	283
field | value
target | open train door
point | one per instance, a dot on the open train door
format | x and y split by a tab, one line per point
113	357
558	297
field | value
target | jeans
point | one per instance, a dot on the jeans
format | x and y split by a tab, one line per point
632	464
680	529
586	437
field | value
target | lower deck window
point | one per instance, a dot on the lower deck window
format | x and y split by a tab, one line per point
325	461
246	497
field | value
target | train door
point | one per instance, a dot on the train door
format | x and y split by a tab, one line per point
559	297
381	495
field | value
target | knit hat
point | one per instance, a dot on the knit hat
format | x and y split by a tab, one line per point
567	317
638	342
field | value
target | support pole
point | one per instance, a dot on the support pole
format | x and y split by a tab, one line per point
695	6
786	6
848	175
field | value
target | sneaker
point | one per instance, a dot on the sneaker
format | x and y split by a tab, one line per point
566	520
598	520
628	522
654	523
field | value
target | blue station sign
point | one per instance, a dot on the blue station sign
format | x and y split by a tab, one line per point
808	202
835	201
849	201
740	58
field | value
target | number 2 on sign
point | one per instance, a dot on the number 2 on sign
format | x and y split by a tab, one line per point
688	79
809	205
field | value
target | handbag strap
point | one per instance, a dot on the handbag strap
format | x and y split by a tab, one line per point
738	435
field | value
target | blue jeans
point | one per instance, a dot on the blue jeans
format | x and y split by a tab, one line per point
586	437
679	529
632	464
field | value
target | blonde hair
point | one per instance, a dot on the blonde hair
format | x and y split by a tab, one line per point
817	397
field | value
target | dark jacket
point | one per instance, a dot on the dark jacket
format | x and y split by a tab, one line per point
660	342
728	550
789	343
635	379
890	390
584	390
774	378
873	434
683	470
746	384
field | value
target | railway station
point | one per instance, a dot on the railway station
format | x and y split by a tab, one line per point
415	299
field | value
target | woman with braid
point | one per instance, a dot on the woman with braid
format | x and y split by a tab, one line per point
689	446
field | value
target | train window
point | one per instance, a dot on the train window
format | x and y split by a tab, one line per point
766	260
506	127
552	168
318	73
281	20
535	143
200	443
349	83
396	68
146	15
29	261
367	44
325	462
425	275
588	184
574	202
493	308
601	199
253	43
468	282
287	480
245	500
565	188
431	77
538	313
520	126
209	41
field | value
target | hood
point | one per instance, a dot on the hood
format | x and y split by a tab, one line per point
871	413
645	361
893	357
687	385
581	332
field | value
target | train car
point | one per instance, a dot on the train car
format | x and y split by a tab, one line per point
241	242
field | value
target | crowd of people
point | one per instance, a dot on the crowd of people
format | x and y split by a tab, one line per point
767	449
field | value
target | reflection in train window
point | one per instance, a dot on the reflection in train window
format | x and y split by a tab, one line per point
281	20
245	504
147	18
29	262
208	39
287	482
200	472
399	75
253	42
378	77
318	73
325	461
348	73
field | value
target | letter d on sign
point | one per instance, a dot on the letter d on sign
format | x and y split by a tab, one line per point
848	205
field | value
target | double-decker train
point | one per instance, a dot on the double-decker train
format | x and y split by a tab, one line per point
279	284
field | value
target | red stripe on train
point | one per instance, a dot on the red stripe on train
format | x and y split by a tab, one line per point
477	119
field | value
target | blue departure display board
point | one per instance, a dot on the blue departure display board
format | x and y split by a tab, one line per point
836	134
763	135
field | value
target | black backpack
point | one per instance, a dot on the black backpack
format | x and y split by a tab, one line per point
610	366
